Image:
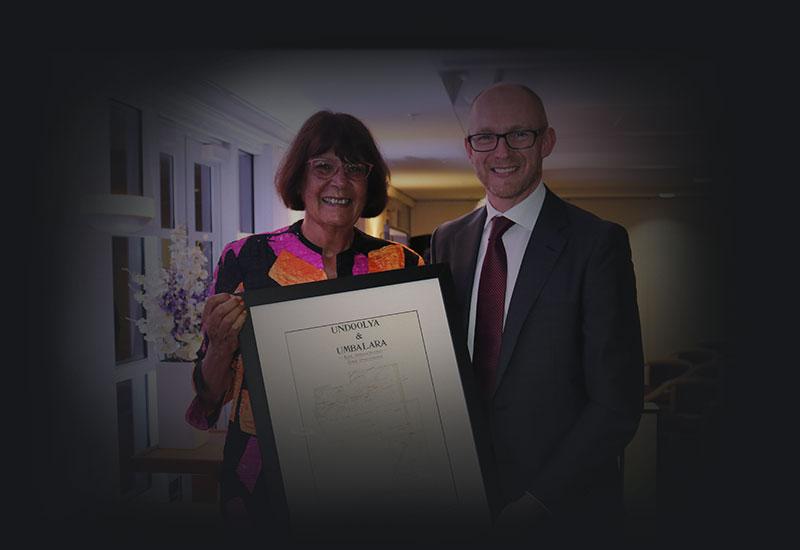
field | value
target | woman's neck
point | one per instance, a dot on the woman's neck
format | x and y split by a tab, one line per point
332	240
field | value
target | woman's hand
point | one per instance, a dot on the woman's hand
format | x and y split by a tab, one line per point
223	318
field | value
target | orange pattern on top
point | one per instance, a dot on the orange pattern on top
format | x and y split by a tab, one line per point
288	269
246	422
238	376
386	258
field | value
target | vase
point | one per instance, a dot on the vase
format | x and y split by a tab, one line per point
175	394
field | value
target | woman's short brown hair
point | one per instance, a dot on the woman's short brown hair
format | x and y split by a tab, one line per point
350	140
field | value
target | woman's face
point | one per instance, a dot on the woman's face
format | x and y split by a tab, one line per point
334	201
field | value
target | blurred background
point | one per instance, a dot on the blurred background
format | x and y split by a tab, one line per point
135	144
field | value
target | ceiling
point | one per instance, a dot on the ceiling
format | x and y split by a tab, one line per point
628	123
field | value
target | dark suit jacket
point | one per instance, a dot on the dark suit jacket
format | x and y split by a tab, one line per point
568	395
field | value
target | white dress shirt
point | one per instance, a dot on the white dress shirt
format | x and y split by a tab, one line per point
515	241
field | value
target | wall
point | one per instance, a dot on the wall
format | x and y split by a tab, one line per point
426	215
677	248
73	411
677	254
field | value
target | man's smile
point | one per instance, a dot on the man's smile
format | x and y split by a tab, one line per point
503	170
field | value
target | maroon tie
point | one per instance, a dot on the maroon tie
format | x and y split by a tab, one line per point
491	303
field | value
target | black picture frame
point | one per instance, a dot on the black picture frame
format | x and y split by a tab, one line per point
280	521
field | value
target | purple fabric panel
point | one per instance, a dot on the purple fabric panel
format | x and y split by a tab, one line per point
291	243
360	264
195	415
250	464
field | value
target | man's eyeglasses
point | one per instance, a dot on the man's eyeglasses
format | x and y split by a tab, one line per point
515	139
325	168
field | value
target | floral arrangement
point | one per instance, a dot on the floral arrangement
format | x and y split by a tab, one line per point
173	300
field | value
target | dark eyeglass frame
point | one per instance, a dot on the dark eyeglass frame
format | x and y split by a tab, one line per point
339	166
536	133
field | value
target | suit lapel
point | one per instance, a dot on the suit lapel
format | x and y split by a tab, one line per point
544	247
463	265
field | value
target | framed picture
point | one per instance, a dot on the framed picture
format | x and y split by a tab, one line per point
367	414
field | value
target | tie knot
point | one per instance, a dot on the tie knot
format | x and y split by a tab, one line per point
500	225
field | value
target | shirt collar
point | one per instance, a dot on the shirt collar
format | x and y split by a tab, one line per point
525	213
359	239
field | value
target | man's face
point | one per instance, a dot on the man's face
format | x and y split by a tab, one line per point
509	175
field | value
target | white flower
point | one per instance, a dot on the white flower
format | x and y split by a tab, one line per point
173	300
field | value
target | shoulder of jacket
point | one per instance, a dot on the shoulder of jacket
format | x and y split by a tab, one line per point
455	225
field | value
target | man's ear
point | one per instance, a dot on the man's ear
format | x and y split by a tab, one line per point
468	149
548	141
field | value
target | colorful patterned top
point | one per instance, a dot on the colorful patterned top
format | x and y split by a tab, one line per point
281	258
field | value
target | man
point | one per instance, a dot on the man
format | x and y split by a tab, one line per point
550	311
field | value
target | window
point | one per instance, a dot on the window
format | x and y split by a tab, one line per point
126	149
130	482
202	198
127	479
166	174
246	213
127	255
208	251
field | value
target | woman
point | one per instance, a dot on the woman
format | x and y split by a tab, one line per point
334	171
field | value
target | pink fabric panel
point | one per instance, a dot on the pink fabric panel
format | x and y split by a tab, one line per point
250	464
360	264
195	416
292	244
